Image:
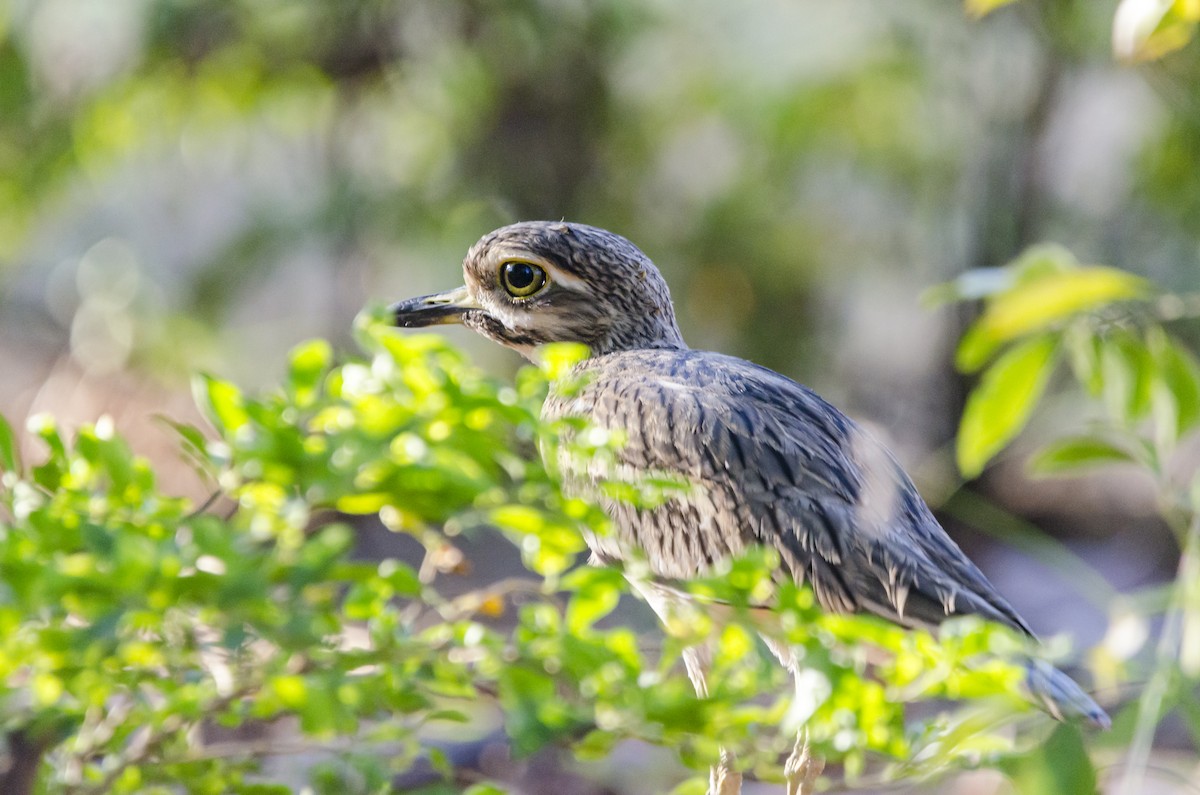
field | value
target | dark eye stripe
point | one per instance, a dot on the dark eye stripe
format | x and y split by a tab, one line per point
521	279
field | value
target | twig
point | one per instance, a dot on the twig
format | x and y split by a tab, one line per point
1165	660
204	506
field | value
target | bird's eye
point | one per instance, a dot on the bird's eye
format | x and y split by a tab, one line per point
522	279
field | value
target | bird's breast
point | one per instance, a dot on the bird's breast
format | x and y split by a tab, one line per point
663	510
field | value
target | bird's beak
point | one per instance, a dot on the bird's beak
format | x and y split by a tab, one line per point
434	310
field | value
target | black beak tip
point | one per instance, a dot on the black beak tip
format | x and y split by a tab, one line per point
399	314
424	311
407	313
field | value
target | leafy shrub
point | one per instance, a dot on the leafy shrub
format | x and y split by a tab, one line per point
136	624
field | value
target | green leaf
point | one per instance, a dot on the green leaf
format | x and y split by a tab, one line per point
532	712
192	436
597	591
975	348
1068	456
696	785
1034	304
1060	765
558	359
308	363
1180	373
1085	350
448	715
1127	371
484	789
45	427
400	576
221	402
998	408
980	8
10	457
1041	260
1040	298
363	504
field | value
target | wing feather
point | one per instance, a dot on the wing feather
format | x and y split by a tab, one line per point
772	463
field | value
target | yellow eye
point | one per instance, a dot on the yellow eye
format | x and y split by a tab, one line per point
521	279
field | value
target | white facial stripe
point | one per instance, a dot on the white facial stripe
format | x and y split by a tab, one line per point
568	280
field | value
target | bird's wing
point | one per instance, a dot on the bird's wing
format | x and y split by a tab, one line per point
771	463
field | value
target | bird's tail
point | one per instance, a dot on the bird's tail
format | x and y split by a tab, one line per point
1059	695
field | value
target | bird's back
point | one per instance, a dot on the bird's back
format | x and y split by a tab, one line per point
767	461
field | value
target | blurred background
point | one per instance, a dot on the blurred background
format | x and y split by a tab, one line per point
201	184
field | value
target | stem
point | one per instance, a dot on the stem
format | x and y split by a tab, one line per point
1165	663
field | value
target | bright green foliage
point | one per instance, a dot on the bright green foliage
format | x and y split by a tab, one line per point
1040	290
1045	304
1076	452
134	624
1144	386
1000	406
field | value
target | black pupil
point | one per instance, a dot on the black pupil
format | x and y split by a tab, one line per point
520	275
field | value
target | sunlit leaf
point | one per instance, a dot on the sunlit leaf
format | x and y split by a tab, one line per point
979	8
597	591
1034	263
557	360
364	503
484	789
307	365
998	408
1070	455
1036	304
221	402
520	518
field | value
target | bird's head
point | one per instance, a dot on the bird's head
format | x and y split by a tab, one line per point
549	281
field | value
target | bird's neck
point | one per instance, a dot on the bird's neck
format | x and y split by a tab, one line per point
661	336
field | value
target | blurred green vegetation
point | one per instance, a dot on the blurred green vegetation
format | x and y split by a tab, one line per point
786	154
191	184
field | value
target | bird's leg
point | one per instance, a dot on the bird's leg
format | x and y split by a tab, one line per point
723	778
802	767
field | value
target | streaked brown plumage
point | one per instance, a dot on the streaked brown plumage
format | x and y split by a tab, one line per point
770	462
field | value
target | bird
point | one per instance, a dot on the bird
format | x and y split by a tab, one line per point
769	462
